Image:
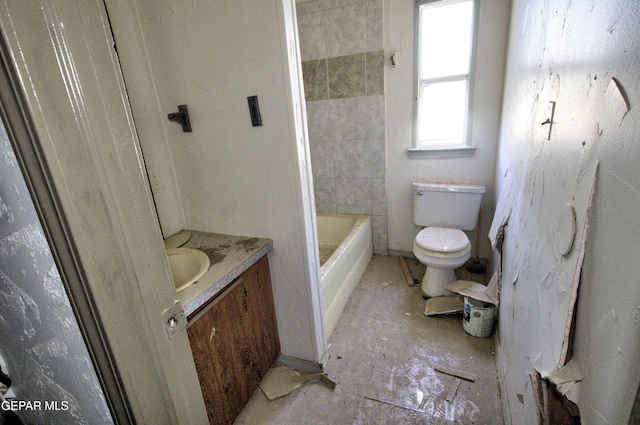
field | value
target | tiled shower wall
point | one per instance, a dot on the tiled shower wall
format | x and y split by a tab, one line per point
343	70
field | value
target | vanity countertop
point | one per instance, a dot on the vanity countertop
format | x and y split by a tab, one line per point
230	256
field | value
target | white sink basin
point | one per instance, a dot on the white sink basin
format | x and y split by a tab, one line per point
187	266
177	240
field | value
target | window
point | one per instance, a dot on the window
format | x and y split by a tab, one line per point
443	77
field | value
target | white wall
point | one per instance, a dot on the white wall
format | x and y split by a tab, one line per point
398	24
569	52
226	176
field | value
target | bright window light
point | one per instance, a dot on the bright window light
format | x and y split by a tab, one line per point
445	40
443	112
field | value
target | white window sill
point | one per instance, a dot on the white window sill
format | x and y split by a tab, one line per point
442	152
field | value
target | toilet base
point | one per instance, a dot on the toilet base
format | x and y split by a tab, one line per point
433	280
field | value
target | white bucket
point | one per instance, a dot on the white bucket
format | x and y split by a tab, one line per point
478	317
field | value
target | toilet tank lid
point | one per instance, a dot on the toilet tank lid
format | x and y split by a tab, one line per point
447	187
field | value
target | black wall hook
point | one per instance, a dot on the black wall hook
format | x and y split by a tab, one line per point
182	118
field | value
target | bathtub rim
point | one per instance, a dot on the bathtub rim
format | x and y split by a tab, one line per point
338	281
359	221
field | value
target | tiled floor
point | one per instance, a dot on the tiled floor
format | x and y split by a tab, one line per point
382	356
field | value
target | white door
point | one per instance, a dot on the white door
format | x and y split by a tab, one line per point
44	363
82	156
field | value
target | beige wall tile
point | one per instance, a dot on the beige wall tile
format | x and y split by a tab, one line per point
347	76
375	72
314	74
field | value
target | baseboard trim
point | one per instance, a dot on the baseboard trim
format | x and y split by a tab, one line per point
299	364
399	253
502	378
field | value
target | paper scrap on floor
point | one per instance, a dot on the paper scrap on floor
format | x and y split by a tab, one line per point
444	305
487	294
315	377
278	382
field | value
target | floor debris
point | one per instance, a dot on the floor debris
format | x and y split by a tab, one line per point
314	377
453	390
279	381
466	288
457	373
386	372
444	305
390	403
405	271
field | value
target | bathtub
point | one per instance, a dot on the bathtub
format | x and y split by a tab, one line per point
346	248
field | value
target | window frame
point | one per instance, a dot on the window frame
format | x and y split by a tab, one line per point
466	149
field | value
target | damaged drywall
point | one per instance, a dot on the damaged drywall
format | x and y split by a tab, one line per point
540	265
540	282
552	407
565	377
566	228
615	105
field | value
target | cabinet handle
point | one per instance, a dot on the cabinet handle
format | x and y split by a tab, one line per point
213	332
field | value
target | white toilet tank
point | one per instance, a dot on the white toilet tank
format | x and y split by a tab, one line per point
446	205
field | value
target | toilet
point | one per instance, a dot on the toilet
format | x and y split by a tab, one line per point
444	210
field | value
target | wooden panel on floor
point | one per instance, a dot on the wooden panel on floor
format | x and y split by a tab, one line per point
405	270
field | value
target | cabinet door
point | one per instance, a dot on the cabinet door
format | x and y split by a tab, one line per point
221	350
264	328
235	341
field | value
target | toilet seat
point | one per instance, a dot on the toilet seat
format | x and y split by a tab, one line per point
440	241
442	247
442	250
441	255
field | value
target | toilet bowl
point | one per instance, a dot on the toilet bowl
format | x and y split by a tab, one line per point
444	211
442	250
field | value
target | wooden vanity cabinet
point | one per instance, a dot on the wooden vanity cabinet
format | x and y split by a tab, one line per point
234	340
